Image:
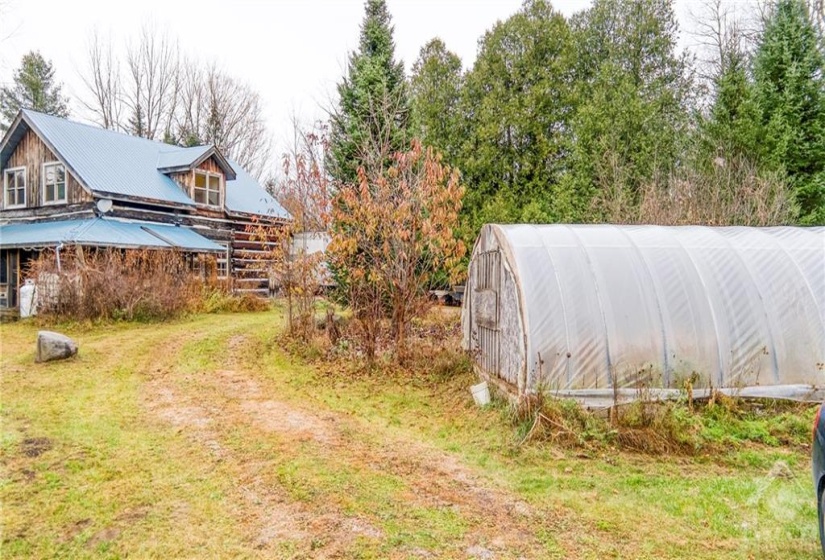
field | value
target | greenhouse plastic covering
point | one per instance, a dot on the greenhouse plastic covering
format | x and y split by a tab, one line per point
597	307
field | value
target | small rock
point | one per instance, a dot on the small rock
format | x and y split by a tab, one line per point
54	346
498	543
522	508
568	470
480	553
780	469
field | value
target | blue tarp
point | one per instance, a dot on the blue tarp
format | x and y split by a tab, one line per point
102	232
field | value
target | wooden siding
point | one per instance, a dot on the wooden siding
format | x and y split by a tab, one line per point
186	179
212	166
32	153
246	256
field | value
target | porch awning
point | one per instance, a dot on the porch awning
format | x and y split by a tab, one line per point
100	232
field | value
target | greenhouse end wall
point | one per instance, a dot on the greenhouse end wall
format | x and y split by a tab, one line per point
596	307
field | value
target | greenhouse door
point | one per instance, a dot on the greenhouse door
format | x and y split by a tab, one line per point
486	309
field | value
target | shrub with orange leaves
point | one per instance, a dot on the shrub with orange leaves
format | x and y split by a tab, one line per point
392	232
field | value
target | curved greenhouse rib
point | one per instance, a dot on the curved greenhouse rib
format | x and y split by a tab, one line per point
599	299
657	298
804	276
547	250
736	250
720	367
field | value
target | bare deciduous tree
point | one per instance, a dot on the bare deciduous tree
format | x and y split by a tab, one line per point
817	10
306	188
720	34
215	108
103	82
305	191
162	97
150	90
192	106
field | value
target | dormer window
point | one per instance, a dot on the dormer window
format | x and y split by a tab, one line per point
14	187
54	183
207	189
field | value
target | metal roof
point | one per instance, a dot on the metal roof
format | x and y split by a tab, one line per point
105	233
108	162
245	195
180	157
114	164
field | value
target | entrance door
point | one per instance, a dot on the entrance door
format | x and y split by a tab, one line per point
9	278
486	310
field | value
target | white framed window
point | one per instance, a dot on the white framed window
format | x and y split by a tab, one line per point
207	189
14	187
223	264
54	183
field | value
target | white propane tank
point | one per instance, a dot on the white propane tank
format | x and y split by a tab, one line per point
28	300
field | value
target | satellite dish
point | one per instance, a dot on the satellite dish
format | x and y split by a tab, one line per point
104	205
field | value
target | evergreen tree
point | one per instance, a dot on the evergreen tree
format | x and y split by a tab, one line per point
435	92
516	106
732	127
34	88
373	116
633	91
788	74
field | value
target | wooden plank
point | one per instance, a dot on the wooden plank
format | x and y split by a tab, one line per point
32	153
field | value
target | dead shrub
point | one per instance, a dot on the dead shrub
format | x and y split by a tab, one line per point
722	192
433	352
709	427
730	192
657	428
539	418
82	284
220	299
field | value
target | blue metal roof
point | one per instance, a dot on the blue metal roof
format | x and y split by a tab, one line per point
173	158
180	157
244	195
115	164
109	162
102	232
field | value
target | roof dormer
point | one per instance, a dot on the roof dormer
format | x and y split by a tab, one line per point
176	160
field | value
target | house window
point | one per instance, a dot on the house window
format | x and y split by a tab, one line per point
54	183
14	187
207	188
223	265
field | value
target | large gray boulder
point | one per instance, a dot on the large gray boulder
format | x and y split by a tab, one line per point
54	346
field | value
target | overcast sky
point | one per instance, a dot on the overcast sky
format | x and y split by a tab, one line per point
293	52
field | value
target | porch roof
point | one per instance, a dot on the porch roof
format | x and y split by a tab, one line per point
100	232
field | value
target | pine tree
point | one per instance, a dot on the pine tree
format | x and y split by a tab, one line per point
732	127
790	91
34	88
373	115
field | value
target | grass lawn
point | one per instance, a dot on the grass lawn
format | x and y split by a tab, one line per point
201	439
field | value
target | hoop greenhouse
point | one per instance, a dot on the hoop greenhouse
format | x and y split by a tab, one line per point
584	308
